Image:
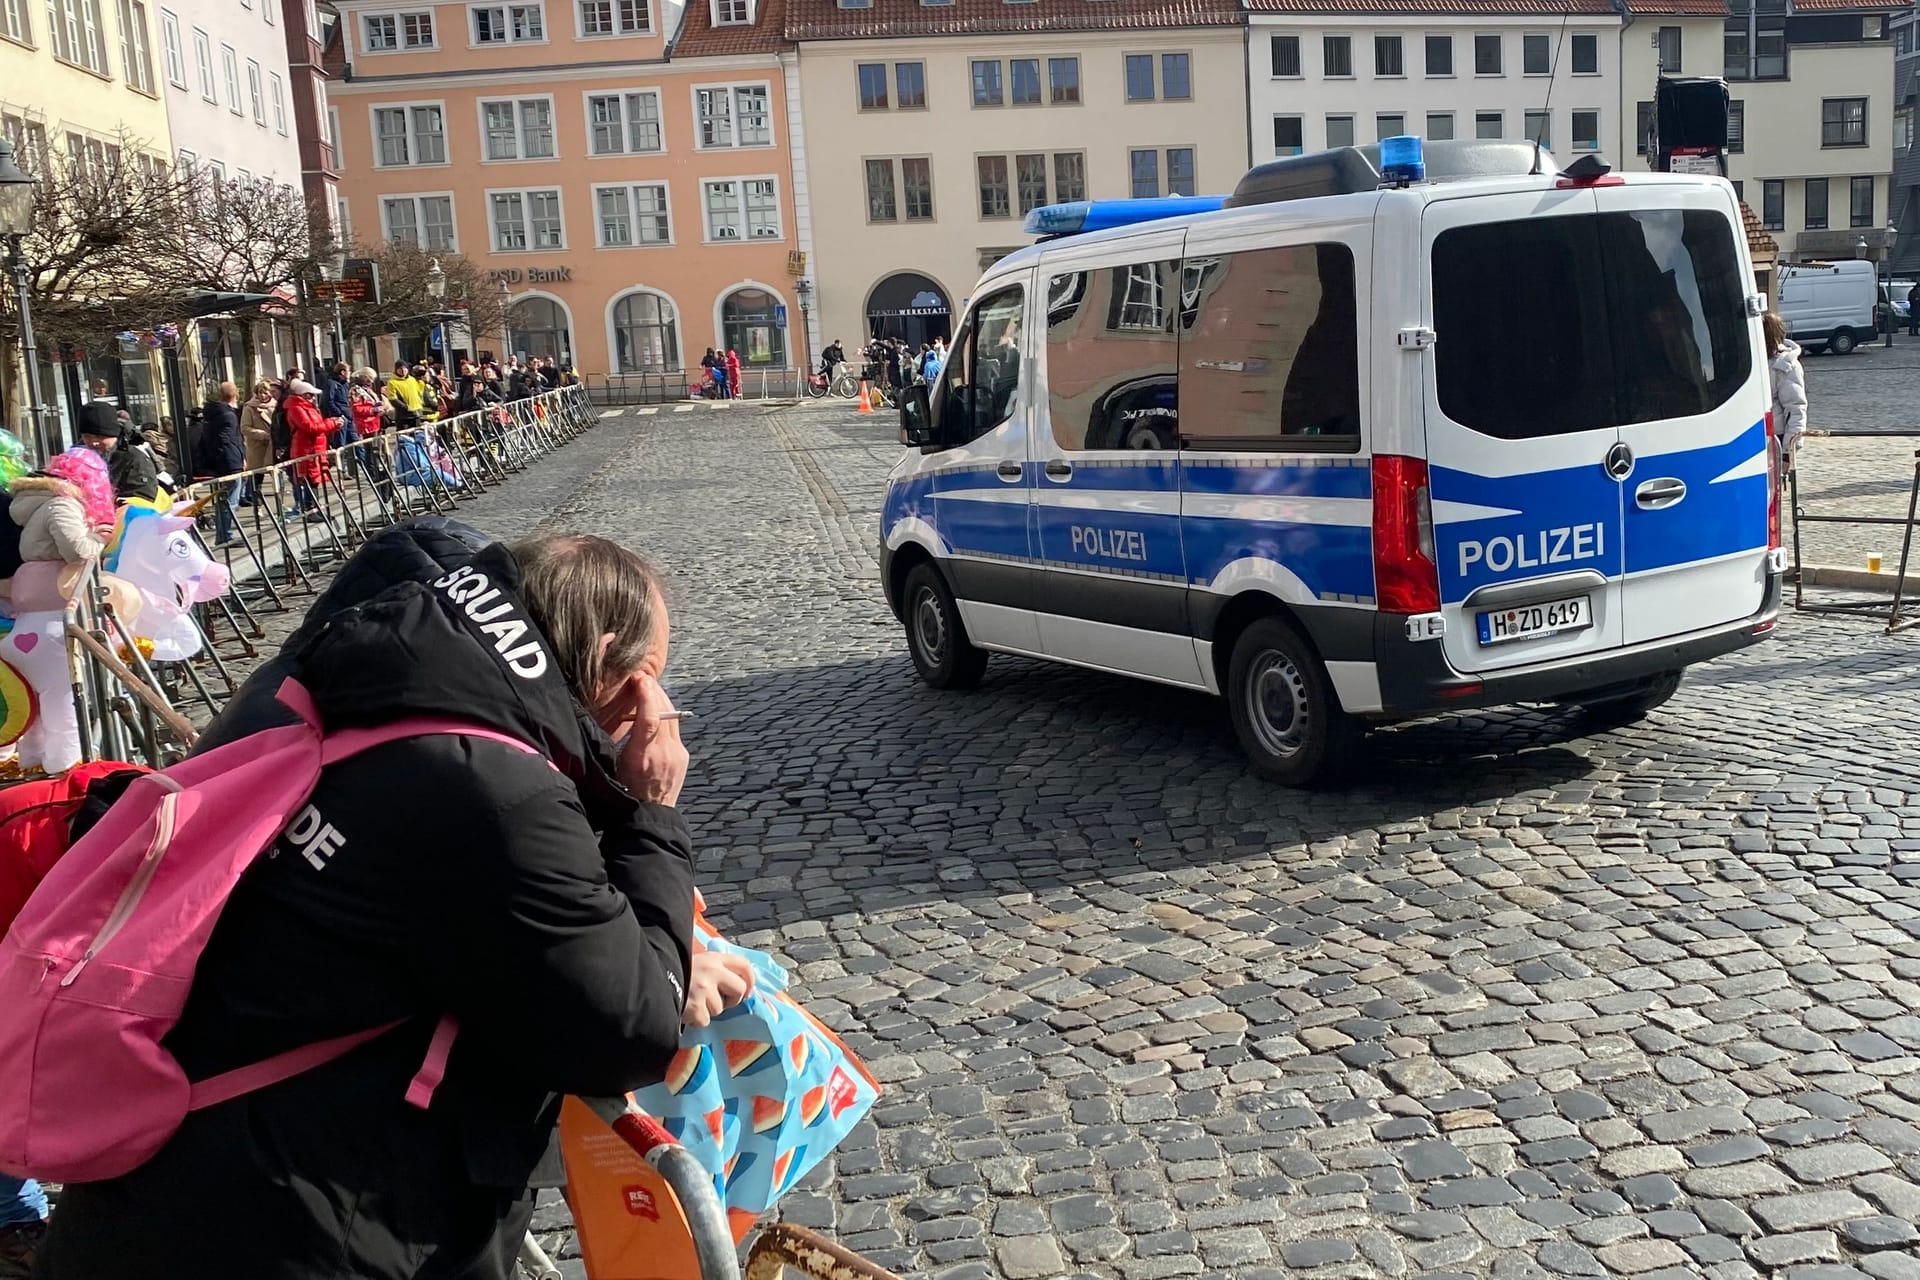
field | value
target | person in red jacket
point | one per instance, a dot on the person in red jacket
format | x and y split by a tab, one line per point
733	371
309	451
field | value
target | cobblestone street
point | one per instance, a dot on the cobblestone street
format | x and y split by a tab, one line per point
1523	1003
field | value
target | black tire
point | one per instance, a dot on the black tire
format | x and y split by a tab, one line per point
815	390
1842	342
936	636
1284	709
1621	707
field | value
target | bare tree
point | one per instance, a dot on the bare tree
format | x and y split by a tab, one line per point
246	237
472	301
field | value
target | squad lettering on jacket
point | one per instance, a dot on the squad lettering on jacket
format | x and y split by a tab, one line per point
487	605
315	837
1540	547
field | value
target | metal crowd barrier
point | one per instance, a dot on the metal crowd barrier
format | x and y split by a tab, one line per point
282	533
1898	608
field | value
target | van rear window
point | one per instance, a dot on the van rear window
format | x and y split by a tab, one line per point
1552	325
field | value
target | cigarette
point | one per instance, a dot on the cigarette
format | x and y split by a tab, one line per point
677	715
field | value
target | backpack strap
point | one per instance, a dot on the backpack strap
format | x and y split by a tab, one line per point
351	742
229	1085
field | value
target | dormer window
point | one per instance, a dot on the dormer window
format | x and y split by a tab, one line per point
856	4
732	13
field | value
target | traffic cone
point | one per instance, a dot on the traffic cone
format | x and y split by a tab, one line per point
866	405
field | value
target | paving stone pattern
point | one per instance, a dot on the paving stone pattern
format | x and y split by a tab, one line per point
1521	1003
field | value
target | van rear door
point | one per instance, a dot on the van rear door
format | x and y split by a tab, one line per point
1520	429
1692	401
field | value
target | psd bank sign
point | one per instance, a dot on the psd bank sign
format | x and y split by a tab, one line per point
532	275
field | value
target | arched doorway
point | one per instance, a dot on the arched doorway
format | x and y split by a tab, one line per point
911	307
646	333
538	327
749	325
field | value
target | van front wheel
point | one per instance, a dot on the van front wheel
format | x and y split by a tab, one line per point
1284	709
1841	343
936	637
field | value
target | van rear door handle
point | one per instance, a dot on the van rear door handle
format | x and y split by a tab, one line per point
1652	495
1059	470
1009	471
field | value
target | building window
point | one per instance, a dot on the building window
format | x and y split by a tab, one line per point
910	79
1439	55
170	48
1902	128
742	209
1176	77
632	215
1586	131
906	189
79	36
1140	84
732	13
873	86
1670	51
1063	79
1816	204
996	194
624	123
1736	126
1069	176
1539	126
986	83
1336	56
1285	51
1773	204
333	137
256	93
1486	55
1586	54
1489	124
16	24
749	325
526	220
423	221
230	68
1143	167
518	129
1030	182
135	54
1536	54
1387	57
1289	136
1440	126
410	135
883	203
1025	73
277	91
508	24
1642	127
645	334
342	216
386	32
1339	131
731	112
1389	125
619	17
203	62
1843	122
1860	203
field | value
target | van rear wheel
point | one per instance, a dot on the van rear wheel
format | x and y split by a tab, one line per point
1841	343
1284	709
936	637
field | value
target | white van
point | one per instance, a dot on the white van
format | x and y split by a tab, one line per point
1296	452
1830	306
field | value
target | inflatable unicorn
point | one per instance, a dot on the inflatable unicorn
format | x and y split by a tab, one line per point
155	571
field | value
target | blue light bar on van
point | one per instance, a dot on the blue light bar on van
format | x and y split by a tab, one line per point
1402	160
1081	216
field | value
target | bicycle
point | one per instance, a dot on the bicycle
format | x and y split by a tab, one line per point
843	384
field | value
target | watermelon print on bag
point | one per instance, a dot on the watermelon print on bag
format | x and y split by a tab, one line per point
762	1094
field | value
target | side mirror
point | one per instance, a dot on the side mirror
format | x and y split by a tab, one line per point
916	416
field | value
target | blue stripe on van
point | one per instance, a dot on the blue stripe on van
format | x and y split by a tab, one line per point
1713	520
1331	560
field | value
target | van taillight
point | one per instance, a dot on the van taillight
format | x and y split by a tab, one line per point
1773	485
1404	577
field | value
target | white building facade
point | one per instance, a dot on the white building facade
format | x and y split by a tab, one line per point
1321	75
223	69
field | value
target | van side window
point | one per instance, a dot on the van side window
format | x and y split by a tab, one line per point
982	375
1270	359
1113	357
1598	321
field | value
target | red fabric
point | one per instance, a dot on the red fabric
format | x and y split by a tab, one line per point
309	439
733	370
366	417
34	818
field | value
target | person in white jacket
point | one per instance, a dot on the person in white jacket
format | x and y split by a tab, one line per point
1789	385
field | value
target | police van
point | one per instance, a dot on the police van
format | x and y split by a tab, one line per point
1373	437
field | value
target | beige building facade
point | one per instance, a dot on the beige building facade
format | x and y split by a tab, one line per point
924	155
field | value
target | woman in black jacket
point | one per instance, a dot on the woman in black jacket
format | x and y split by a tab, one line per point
542	901
221	454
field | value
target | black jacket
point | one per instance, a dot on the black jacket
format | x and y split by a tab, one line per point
219	451
544	907
132	472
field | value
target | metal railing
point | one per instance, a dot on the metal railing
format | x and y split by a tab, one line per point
1896	608
668	385
132	708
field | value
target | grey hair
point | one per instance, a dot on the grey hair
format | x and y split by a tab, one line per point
578	588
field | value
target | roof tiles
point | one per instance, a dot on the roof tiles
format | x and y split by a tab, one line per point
699	37
1466	8
826	20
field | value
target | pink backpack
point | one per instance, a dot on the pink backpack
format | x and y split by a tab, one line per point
95	971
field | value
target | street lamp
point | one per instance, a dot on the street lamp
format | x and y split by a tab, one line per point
1893	312
16	221
506	323
437	290
804	288
334	269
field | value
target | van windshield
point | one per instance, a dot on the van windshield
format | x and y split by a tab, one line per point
1552	325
